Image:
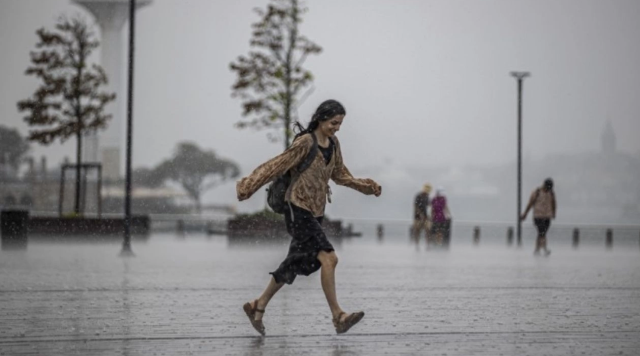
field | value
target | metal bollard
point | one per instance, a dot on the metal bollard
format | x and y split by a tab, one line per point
180	227
509	236
476	235
609	239
576	237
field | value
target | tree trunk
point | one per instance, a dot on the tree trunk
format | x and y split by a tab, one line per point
287	106
293	34
287	119
78	132
198	205
76	209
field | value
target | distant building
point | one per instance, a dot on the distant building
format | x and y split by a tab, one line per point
38	190
602	186
608	139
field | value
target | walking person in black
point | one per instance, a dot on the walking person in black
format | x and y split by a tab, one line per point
306	198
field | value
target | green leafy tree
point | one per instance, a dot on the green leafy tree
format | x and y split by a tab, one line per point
13	148
196	170
70	101
270	79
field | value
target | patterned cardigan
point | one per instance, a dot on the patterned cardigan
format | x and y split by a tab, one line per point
309	190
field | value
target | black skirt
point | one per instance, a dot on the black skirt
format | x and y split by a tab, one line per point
542	225
307	239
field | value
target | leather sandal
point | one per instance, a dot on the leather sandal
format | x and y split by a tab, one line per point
346	324
251	313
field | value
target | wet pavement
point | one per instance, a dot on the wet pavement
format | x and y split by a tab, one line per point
183	296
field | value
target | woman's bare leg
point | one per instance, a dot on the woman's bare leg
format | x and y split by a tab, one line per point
329	260
544	245
269	292
538	245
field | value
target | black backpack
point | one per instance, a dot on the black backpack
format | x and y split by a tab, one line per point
278	188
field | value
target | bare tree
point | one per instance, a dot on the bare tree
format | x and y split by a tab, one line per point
196	170
270	78
69	102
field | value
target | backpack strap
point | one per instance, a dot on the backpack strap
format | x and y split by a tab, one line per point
301	168
313	152
336	143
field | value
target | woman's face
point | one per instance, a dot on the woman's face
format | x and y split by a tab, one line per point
331	126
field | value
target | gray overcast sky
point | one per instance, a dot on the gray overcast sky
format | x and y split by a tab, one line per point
424	82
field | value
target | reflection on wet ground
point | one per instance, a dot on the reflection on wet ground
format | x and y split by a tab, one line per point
183	295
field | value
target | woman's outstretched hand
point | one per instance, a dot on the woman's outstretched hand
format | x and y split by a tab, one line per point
242	195
377	189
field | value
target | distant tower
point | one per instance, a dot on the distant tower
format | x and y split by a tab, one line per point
90	147
111	15
608	139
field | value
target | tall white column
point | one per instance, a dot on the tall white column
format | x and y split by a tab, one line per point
112	15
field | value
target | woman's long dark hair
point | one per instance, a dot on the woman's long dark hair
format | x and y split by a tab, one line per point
324	112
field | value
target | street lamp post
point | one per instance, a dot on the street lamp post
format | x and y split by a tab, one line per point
519	77
126	245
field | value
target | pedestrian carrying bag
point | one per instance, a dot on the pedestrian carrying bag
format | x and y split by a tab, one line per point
277	190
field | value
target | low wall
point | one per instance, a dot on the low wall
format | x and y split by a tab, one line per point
17	224
274	229
86	226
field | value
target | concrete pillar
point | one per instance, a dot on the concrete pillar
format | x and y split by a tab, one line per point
112	15
91	146
32	166
180	227
43	167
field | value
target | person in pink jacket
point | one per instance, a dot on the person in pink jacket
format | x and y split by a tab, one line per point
440	216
